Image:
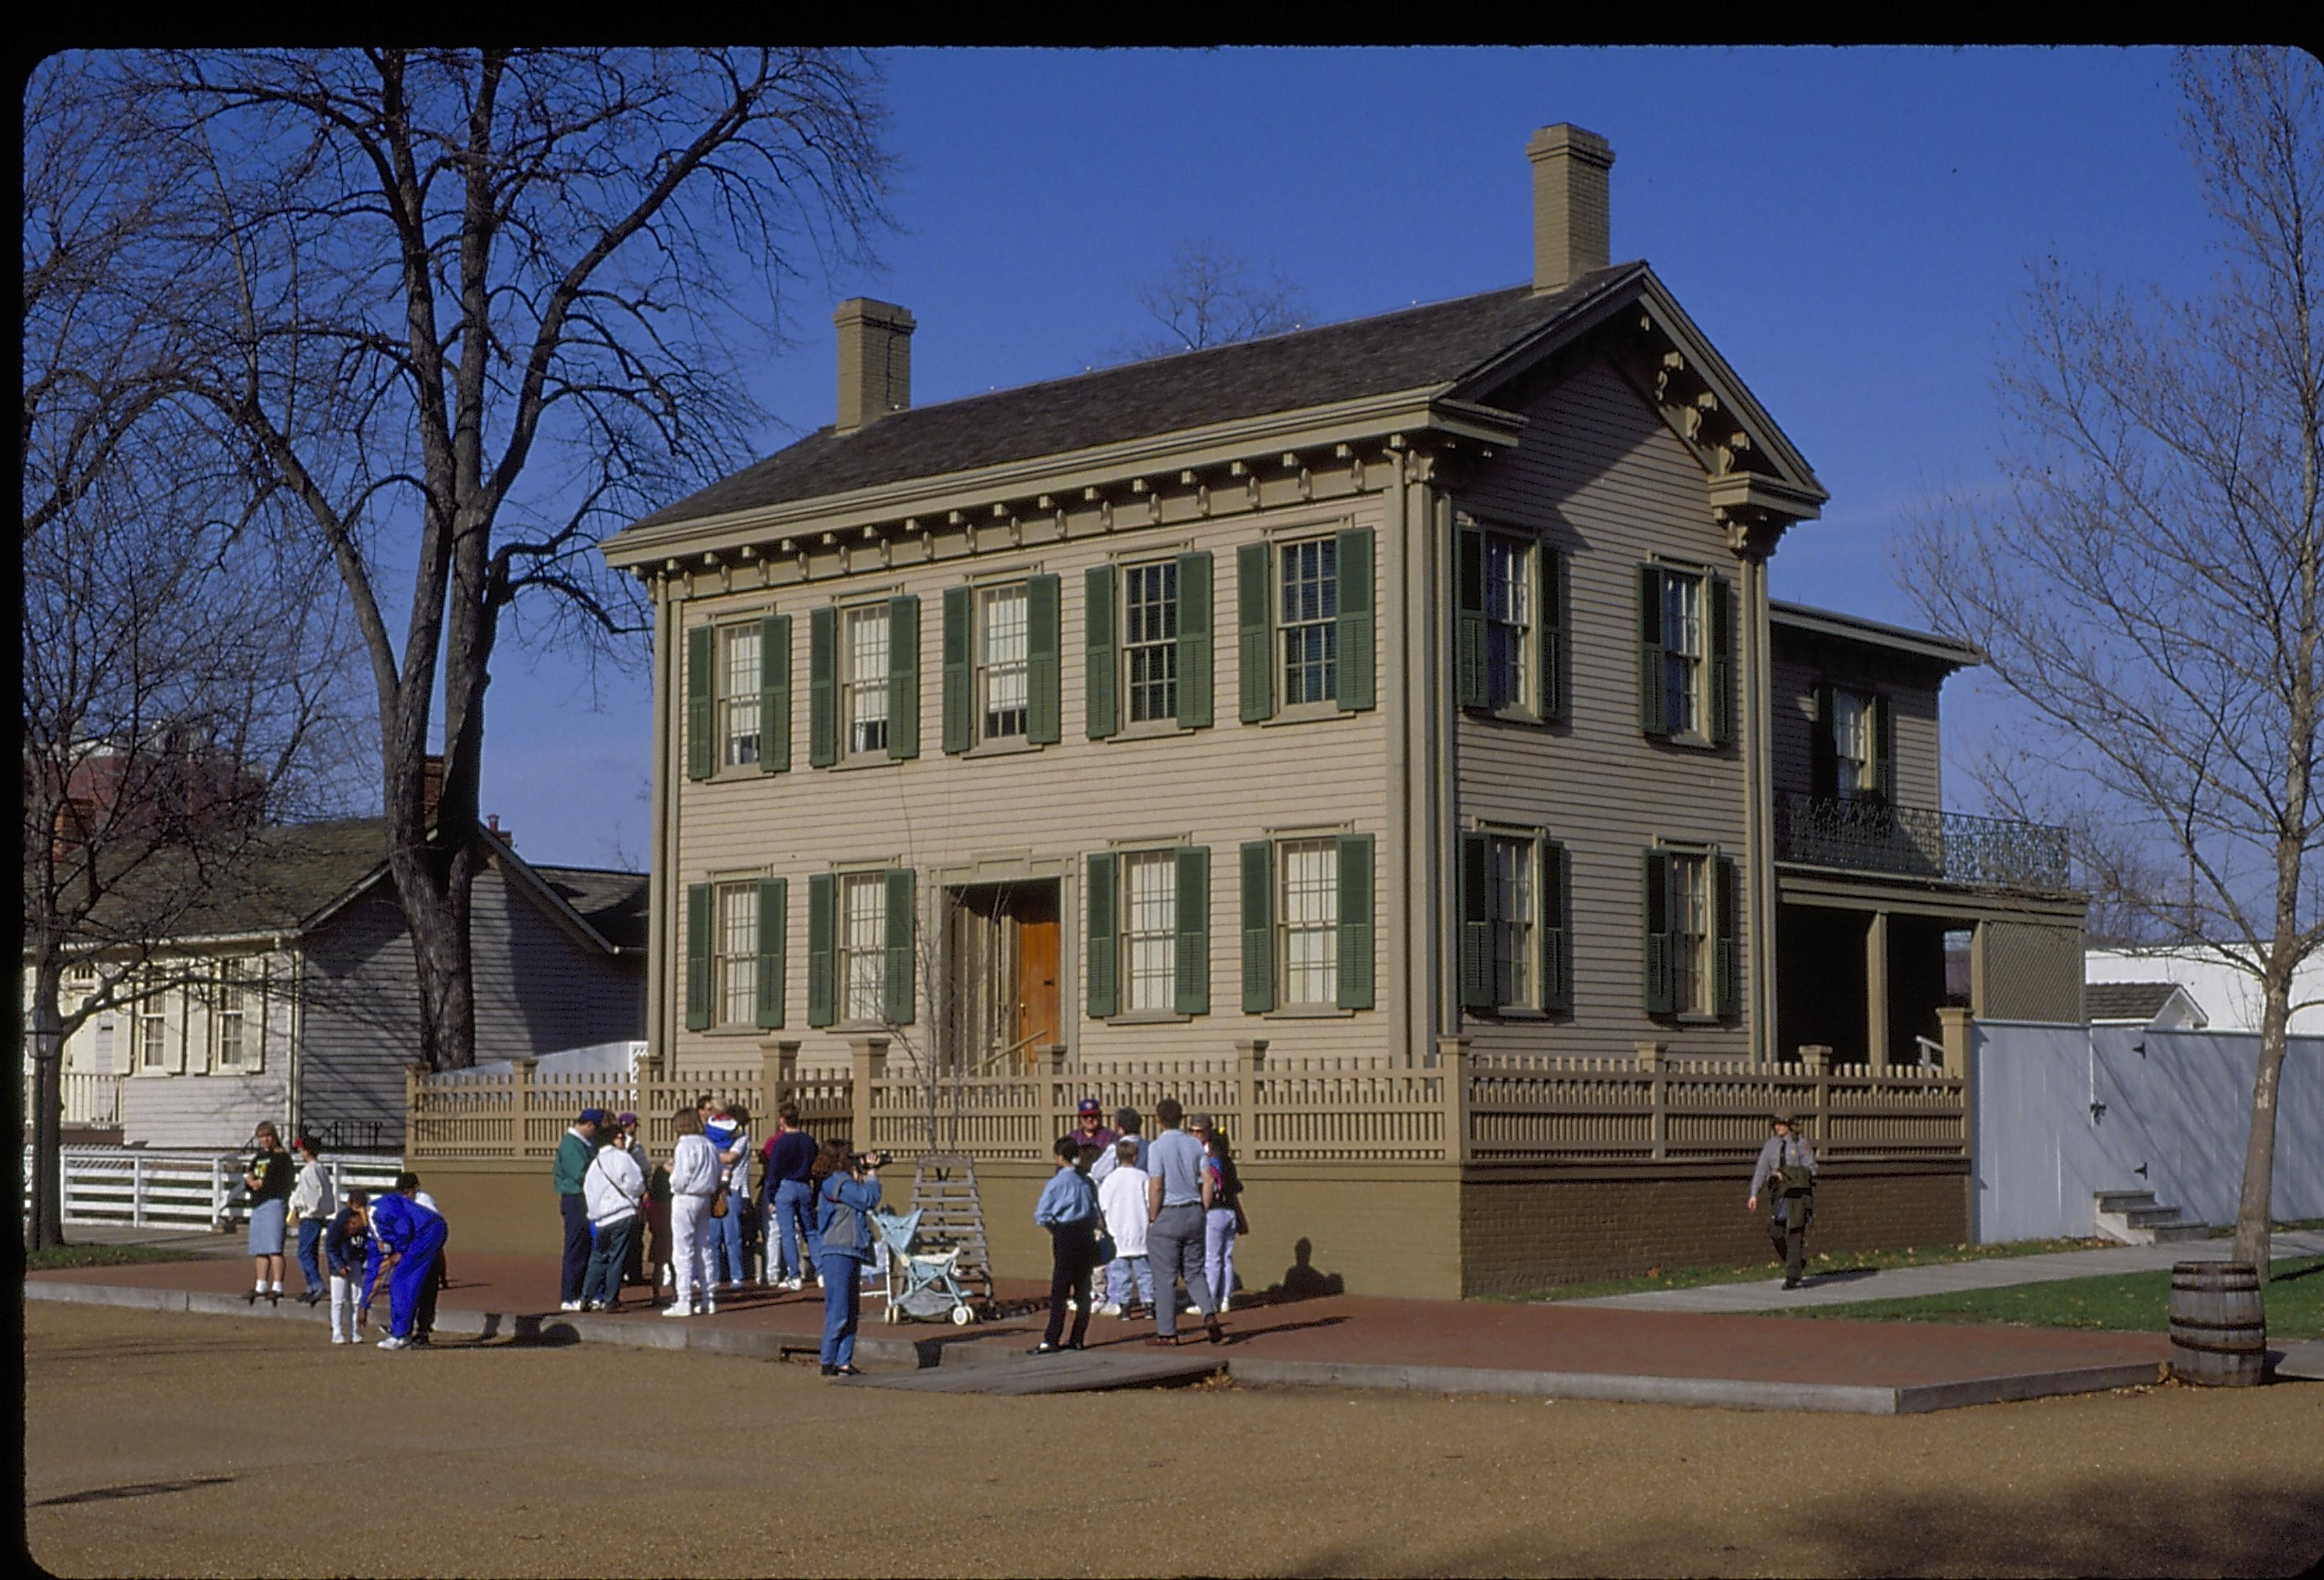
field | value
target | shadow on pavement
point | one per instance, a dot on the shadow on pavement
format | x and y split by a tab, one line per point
132	1489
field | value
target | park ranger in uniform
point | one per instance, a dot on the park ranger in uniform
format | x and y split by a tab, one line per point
1787	1171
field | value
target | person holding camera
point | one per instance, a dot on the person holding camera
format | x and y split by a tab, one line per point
846	1190
1787	1163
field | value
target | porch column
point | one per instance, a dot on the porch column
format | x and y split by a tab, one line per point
1876	990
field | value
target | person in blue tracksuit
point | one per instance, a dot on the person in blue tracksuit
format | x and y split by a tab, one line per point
406	1239
846	1188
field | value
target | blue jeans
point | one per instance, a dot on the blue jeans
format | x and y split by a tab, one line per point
1218	1252
795	1218
843	1299
1126	1275
726	1259
576	1246
606	1259
311	1235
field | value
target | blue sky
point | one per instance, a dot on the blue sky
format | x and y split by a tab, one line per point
1852	228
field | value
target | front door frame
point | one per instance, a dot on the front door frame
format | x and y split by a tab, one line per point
1022	866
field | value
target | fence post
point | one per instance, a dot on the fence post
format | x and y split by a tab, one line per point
1060	1113
1249	1053
1817	1057
1658	1072
870	1056
411	1128
137	1189
1453	1065
520	1099
1953	1023
218	1192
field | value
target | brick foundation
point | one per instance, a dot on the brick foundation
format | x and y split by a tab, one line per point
1521	1231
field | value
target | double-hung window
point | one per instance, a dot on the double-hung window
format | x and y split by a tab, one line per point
738	695
1855	745
1513	923
736	961
863	681
862	945
1002	662
1307	909
150	1020
1149	641
1683	653
1307	622
1307	922
1509	622
1686	655
1149	932
1693	953
1511	657
229	1017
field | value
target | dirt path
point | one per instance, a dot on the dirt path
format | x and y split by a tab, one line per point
177	1445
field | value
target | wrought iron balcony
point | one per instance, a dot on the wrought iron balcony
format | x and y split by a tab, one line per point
1921	842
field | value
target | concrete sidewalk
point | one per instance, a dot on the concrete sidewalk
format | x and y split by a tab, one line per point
1763	1295
1341	1341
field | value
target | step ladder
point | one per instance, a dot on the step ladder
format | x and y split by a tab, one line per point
951	1213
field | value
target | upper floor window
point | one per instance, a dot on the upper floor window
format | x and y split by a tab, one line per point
738	695
863	681
1309	579
1149	641
1509	622
1001	662
1855	745
1686	642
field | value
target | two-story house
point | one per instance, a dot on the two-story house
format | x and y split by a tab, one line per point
1350	690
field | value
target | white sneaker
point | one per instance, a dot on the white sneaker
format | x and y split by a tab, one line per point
1073	1305
1225	1303
392	1342
1109	1309
676	1311
569	1306
710	1306
793	1284
338	1338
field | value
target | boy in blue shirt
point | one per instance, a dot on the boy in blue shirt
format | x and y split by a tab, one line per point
347	1248
1068	1211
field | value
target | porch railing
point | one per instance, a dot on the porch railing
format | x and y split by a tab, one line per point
91	1101
1921	842
1452	1109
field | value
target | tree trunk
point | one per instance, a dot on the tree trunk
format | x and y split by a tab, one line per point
2259	1152
44	1223
434	865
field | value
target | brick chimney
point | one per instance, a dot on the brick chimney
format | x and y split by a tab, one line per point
1571	229
875	361
432	787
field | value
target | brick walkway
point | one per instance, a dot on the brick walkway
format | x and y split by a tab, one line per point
1374	1338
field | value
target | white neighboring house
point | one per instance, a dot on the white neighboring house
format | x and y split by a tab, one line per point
2228	999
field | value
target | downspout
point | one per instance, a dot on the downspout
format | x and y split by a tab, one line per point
1404	1034
1759	841
661	846
1444	801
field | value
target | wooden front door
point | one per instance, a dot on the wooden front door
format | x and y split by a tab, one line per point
1035	909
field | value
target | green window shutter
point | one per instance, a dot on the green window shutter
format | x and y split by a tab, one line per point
1556	651
820	962
1651	651
1727	946
775	693
701	702
1194	647
1258	927
697	956
1477	921
1104	997
1359	653
959	671
904	675
1824	743
1101	698
1355	924
897	995
1723	660
1556	929
1659	990
1255	651
1044	713
1471	686
1884	751
1192	948
823	689
774	907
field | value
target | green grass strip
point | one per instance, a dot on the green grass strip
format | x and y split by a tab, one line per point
2120	1302
57	1256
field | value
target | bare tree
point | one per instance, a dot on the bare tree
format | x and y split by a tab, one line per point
469	308
1212	295
2146	581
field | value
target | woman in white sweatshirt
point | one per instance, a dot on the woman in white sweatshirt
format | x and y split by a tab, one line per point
693	1180
313	1204
611	1190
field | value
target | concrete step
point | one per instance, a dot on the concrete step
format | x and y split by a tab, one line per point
2116	1201
2152	1217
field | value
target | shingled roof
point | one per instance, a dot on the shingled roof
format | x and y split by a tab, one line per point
2125	1000
613	903
1413	349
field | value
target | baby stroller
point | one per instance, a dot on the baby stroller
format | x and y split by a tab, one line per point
922	1283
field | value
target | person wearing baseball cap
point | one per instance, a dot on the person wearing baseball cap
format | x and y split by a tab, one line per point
1090	1128
1787	1162
574	1153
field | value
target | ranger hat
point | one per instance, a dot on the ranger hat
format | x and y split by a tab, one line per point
1783	1116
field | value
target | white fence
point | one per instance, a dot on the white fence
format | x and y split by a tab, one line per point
92	1101
131	1186
2062	1112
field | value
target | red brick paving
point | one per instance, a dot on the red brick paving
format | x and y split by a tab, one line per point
1361	1330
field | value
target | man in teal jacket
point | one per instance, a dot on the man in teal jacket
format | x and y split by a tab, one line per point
573	1154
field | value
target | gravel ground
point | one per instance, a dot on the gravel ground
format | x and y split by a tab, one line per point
175	1445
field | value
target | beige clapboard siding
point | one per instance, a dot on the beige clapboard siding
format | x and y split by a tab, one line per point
1914	707
1601	477
1217	787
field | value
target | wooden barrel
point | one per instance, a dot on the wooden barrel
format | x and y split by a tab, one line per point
2218	1333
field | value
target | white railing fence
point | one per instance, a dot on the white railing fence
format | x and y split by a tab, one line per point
91	1101
136	1187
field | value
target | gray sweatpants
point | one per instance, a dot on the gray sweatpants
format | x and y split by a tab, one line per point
1174	1244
